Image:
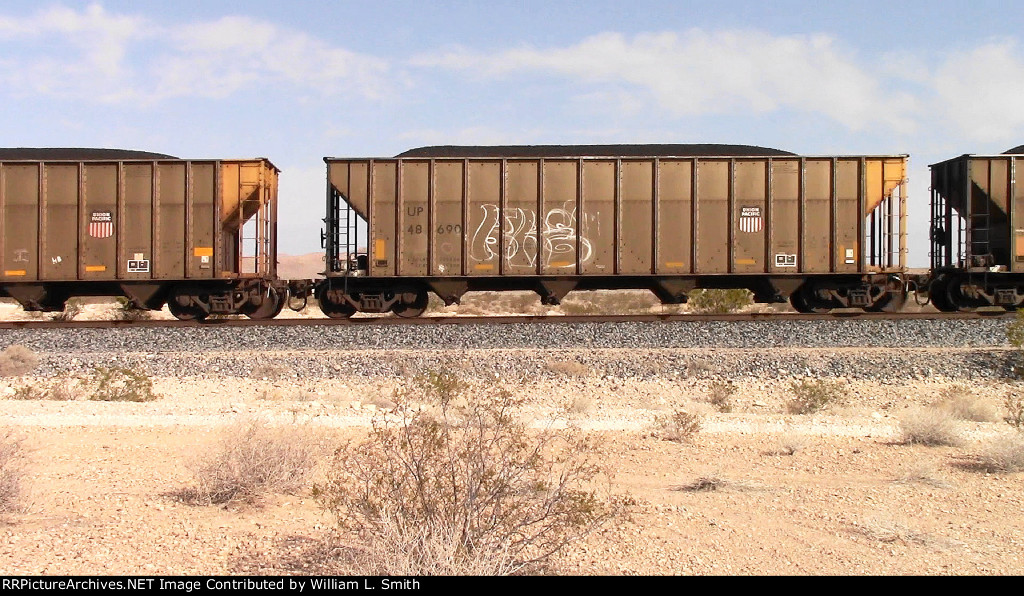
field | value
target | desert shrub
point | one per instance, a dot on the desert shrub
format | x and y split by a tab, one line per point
929	426
434	304
720	396
569	368
128	311
681	426
1014	404
61	389
788	444
461	486
1015	330
705	484
17	360
12	470
719	301
959	401
1004	454
269	371
72	308
120	384
813	395
612	302
582	405
253	460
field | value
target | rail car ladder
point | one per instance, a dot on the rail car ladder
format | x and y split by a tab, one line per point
980	226
340	238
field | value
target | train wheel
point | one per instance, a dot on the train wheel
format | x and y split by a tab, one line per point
185	313
804	300
938	292
337	311
270	308
958	301
415	308
797	300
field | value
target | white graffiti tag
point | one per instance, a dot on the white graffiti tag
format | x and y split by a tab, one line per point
558	238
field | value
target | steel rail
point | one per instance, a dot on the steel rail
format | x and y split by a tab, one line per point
506	319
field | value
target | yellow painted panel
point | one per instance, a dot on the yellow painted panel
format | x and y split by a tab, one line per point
95	268
17	272
483	267
203	251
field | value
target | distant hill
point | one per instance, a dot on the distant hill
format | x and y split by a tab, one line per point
307	266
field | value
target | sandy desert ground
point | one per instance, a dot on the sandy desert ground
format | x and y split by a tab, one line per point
835	492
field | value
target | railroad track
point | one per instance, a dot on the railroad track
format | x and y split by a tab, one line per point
502	320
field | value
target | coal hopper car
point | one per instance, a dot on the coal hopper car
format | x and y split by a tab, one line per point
977	232
823	232
196	235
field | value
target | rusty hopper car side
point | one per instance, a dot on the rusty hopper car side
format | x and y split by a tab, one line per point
977	232
198	235
824	232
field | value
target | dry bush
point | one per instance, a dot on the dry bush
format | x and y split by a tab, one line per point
12	471
582	405
1014	405
884	529
60	389
813	395
253	460
487	303
962	403
929	426
921	472
704	484
72	308
569	368
681	426
719	301
128	311
379	401
715	482
120	384
788	444
610	302
1004	454
17	360
720	396
434	305
269	371
463	487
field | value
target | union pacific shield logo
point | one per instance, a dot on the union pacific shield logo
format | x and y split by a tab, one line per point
750	219
101	225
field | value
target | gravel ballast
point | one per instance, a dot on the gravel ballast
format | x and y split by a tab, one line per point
841	348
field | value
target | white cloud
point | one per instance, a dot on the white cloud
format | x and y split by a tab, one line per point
980	91
113	58
473	135
700	72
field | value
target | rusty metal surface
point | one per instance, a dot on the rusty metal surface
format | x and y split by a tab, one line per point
131	219
978	211
659	216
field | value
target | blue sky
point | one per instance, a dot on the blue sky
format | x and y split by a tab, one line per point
296	81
